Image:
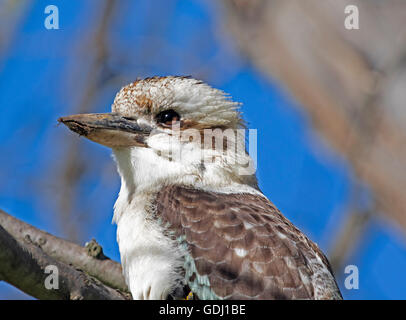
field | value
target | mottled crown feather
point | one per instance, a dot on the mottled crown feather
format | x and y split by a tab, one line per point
192	99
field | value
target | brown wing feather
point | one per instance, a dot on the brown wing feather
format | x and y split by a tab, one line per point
245	246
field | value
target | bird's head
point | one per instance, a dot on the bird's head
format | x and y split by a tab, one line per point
171	129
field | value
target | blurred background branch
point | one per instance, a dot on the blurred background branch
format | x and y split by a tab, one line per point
351	83
11	14
74	163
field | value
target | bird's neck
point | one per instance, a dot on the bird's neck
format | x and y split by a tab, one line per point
143	173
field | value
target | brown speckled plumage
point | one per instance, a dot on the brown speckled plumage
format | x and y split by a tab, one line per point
245	246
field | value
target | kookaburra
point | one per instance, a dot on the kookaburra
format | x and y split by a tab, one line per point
188	215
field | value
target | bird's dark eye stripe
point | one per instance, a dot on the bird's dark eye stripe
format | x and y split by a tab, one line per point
167	117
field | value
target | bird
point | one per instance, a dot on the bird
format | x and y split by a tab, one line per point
190	215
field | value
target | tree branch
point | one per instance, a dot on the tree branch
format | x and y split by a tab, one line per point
25	251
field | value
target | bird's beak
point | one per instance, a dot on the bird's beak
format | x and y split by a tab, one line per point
109	129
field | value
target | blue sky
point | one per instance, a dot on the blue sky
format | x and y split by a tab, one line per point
43	74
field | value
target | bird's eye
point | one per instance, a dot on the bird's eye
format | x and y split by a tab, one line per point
168	117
